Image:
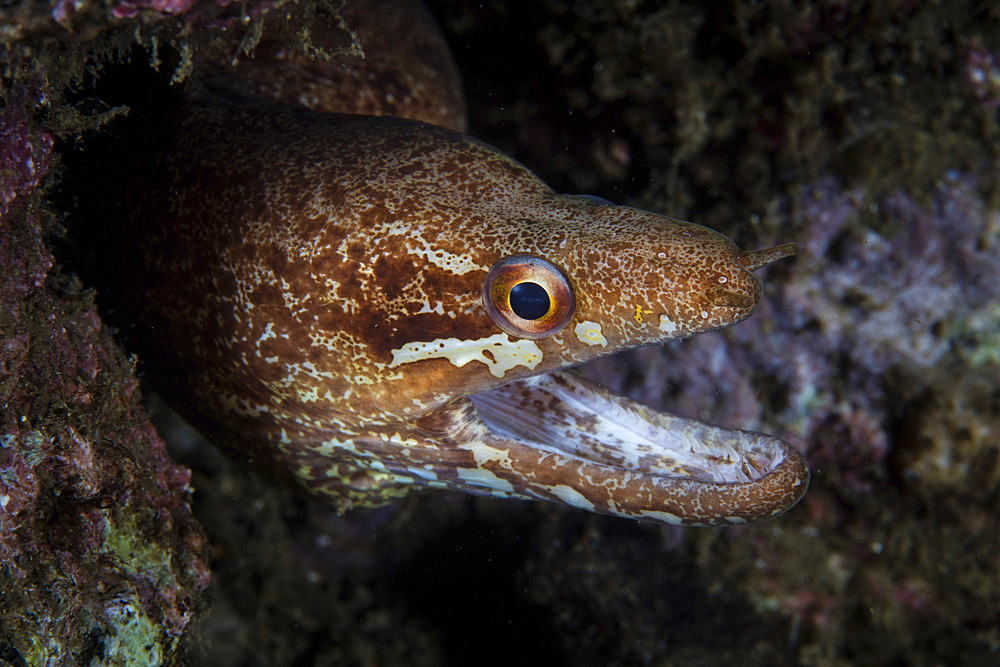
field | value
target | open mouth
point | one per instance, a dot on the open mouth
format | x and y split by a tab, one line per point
564	412
572	440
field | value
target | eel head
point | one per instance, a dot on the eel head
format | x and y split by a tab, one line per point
510	285
579	279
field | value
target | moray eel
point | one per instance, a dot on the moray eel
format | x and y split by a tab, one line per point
368	304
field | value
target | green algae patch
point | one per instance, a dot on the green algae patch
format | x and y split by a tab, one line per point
137	555
136	639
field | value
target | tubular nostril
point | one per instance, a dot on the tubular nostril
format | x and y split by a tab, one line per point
755	259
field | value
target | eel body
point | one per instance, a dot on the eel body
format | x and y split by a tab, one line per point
368	305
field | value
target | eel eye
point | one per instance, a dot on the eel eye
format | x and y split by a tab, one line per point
528	297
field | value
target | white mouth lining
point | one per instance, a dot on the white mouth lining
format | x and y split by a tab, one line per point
564	413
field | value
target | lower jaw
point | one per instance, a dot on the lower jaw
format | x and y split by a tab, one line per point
560	437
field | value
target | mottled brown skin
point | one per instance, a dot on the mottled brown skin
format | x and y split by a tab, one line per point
406	70
290	259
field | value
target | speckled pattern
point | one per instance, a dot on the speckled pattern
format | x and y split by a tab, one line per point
406	71
313	283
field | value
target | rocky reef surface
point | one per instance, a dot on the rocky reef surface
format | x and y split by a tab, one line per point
102	560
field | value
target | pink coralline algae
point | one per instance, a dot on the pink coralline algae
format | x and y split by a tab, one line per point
129	8
194	12
982	71
24	155
901	297
101	559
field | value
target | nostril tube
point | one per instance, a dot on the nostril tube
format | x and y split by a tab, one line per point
755	259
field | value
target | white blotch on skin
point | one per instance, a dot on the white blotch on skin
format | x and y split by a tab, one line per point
504	353
667	326
662	517
590	333
480	477
572	497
